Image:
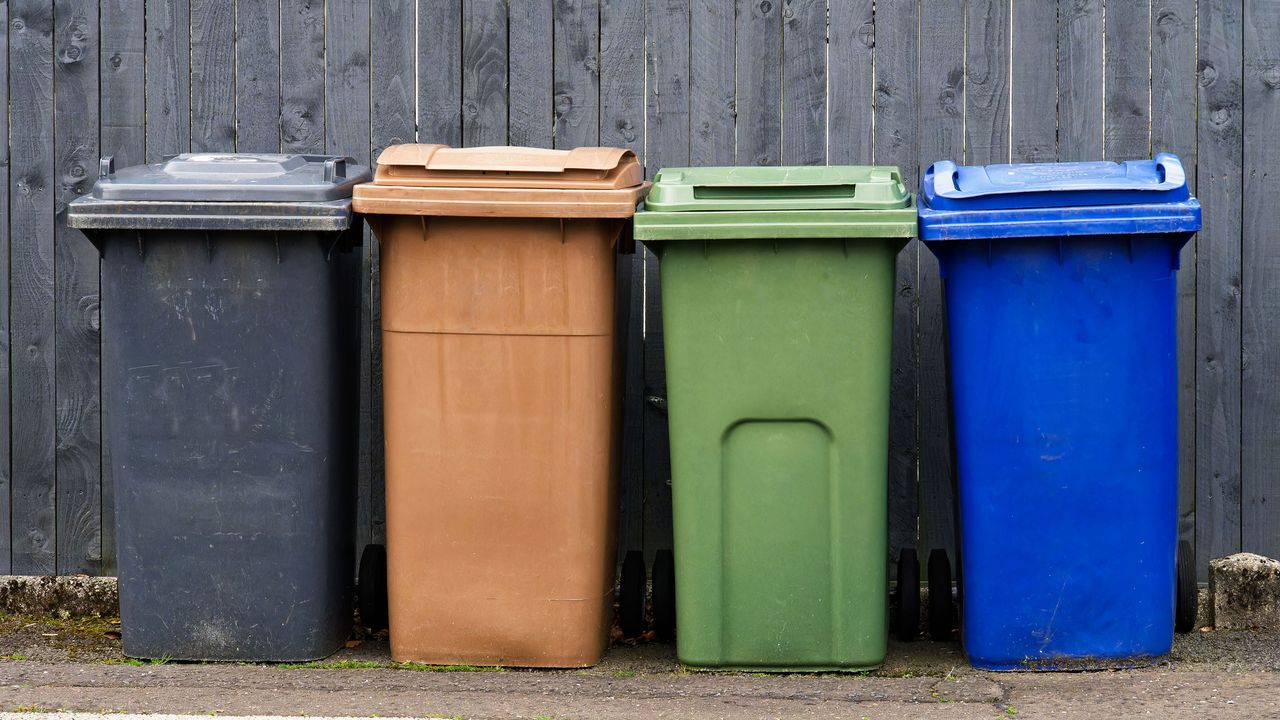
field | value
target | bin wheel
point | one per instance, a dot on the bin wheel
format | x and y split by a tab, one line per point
1185	612
941	609
664	595
372	587
908	619
631	592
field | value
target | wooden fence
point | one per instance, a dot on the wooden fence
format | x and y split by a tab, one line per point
680	81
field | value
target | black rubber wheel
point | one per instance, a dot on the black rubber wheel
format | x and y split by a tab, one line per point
1184	619
664	594
907	623
631	592
372	587
941	609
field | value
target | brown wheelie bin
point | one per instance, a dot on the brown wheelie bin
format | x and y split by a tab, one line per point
500	391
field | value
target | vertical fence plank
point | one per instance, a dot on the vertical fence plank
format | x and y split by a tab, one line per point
1173	129
852	55
31	193
257	82
1080	61
122	106
576	33
6	484
759	80
302	76
1260	332
168	78
804	82
712	114
77	361
622	103
667	107
1219	187
484	72
213	82
942	98
895	143
1127	105
530	93
440	71
1033	104
986	92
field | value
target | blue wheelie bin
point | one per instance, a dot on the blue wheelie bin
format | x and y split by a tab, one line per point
1060	290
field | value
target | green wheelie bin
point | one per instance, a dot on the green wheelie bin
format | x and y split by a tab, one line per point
777	294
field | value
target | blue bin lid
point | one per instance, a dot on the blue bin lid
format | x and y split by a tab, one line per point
1046	199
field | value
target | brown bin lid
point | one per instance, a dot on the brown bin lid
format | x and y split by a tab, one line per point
504	181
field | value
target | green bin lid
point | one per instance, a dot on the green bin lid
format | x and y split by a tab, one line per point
810	187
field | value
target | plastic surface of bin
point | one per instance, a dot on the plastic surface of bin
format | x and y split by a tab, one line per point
229	398
777	293
500	397
1061	312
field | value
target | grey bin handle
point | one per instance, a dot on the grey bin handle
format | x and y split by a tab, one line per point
107	166
335	169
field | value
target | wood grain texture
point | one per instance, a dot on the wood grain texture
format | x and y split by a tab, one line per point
1080	78
804	82
391	67
32	189
895	143
168	78
712	96
667	57
986	92
576	34
6	484
1260	261
440	71
1218	281
1033	95
851	94
77	362
759	82
257	81
213	80
943	96
1173	129
531	93
1127	99
484	72
302	76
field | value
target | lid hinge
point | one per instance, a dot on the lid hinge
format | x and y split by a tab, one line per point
425	225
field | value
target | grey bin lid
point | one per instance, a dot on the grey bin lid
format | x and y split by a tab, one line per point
242	177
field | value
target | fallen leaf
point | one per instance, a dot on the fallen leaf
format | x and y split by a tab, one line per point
113	634
350	643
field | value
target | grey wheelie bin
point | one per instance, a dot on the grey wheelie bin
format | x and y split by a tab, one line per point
229	377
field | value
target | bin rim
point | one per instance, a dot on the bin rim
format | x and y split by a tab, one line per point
794	187
232	177
90	213
1181	218
780	225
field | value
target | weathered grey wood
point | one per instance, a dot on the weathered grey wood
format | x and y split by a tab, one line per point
622	114
168	78
1080	78
851	95
1260	260
986	91
1033	104
122	108
530	88
804	82
895	143
440	71
759	78
943	94
712	117
77	364
1218	281
348	127
257	81
657	450
484	72
576	34
31	274
667	57
302	76
213	81
1128	81
6	484
1173	129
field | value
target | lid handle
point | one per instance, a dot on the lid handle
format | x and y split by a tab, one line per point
335	169
1170	169
941	177
107	166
